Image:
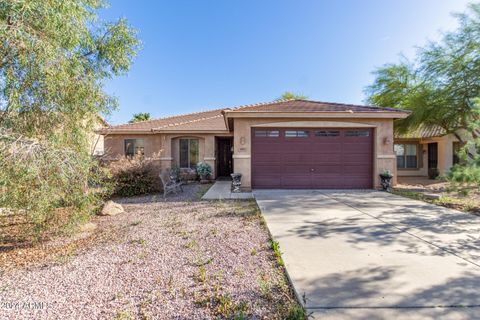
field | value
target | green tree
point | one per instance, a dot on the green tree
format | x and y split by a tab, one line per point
441	85
54	58
288	95
142	116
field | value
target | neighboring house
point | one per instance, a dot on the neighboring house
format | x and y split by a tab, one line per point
428	147
96	139
281	144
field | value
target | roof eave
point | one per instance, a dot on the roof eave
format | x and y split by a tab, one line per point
318	114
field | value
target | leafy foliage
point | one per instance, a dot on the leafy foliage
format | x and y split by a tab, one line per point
54	57
288	95
441	86
38	178
142	116
135	176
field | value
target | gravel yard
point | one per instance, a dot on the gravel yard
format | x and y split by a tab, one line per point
179	259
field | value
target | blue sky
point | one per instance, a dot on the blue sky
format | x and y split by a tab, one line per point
200	55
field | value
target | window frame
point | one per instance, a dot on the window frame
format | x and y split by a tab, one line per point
327	133
307	134
191	165
357	133
417	155
266	133
135	147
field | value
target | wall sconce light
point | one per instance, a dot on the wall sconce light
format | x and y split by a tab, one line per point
242	141
387	140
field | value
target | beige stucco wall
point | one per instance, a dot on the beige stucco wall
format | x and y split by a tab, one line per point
384	157
163	147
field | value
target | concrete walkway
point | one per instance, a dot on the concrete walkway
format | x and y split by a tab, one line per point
221	190
374	255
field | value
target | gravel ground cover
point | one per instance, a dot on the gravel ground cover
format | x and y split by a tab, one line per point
179	259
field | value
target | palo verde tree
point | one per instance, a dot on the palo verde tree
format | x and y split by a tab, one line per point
54	57
441	87
142	116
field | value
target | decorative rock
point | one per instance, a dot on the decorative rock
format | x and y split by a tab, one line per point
111	209
432	196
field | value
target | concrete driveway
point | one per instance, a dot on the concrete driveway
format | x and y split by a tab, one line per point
374	255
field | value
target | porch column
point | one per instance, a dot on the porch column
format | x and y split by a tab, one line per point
209	154
166	157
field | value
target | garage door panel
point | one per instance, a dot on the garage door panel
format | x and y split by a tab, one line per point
267	169
318	161
295	158
327	182
321	147
326	158
295	169
359	158
268	158
296	181
332	168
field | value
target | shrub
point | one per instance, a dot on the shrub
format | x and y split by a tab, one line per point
135	176
44	187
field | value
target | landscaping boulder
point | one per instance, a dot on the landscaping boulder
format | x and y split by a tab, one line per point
111	209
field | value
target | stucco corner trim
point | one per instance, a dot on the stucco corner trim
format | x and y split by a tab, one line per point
386	156
241	156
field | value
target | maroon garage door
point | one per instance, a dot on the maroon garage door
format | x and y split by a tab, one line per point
312	158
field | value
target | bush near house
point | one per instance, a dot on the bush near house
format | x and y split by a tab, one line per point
135	176
44	188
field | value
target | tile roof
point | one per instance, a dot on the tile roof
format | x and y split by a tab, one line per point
309	106
213	120
422	132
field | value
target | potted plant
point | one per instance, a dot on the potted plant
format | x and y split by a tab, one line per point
386	180
204	170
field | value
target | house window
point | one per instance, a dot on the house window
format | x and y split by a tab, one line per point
296	134
324	133
134	147
267	133
357	133
189	150
406	156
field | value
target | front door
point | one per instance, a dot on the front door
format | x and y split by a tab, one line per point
224	156
432	155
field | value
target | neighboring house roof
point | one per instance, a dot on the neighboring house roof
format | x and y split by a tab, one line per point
214	120
422	132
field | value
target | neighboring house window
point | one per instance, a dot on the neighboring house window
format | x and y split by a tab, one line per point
267	133
189	150
406	156
456	148
134	147
296	134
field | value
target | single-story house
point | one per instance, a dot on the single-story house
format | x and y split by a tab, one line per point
280	144
427	147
